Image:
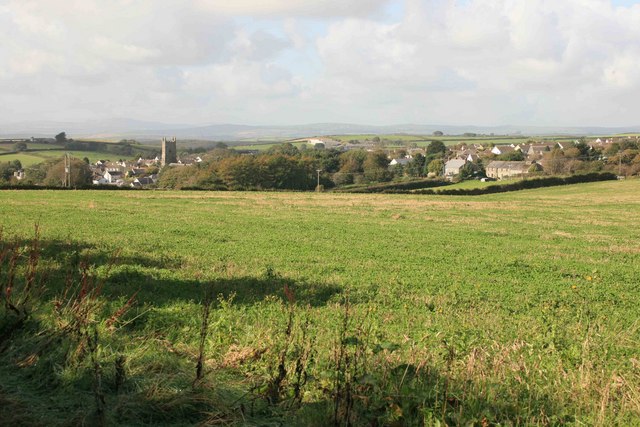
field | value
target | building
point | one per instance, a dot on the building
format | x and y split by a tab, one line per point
402	162
500	170
113	176
502	149
169	151
453	166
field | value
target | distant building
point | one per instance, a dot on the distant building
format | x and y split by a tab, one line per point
499	170
453	166
112	176
502	149
402	162
169	151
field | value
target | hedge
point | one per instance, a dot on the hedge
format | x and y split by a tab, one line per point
525	184
53	187
396	187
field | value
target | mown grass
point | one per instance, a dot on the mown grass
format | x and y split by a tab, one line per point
516	308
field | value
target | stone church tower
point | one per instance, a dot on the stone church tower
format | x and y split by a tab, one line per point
169	152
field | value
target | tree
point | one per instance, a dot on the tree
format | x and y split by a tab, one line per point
438	133
436	167
20	146
376	166
240	173
287	149
554	161
512	156
436	149
80	173
61	138
469	170
416	166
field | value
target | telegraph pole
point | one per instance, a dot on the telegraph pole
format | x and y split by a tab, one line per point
620	163
67	170
318	186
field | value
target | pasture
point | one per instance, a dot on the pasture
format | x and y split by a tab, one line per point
516	308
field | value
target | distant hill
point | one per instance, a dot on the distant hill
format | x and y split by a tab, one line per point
152	131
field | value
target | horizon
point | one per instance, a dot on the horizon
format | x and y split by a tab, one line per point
390	62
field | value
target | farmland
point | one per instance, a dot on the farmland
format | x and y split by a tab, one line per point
40	152
516	308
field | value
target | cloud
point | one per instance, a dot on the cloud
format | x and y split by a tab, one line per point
489	62
299	8
430	61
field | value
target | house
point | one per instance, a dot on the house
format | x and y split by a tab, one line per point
453	166
473	158
500	169
563	145
402	162
536	151
142	182
502	149
112	176
19	174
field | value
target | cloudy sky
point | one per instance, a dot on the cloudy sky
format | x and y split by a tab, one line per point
466	62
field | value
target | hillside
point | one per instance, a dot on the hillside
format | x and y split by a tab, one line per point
516	308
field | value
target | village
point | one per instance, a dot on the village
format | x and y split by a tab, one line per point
469	159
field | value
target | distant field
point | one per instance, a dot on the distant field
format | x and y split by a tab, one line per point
30	158
27	159
424	140
516	309
262	147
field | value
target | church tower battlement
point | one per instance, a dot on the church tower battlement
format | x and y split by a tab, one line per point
169	151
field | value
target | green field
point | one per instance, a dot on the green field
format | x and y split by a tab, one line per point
473	183
31	158
506	309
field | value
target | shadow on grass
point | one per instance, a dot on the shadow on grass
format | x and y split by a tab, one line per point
129	274
246	290
163	394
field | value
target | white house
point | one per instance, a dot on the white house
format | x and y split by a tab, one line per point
402	162
453	166
112	176
502	149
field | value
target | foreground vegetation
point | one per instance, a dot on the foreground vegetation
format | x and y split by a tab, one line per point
316	309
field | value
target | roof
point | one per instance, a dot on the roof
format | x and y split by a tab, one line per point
144	181
504	148
497	164
455	163
399	161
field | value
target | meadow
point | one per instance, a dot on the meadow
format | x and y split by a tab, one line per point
326	309
30	158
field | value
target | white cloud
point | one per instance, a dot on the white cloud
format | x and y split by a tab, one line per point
306	8
255	61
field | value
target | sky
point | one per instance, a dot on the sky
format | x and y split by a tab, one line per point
268	62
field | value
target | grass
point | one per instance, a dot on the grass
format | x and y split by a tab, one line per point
261	147
516	308
479	184
27	159
33	157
